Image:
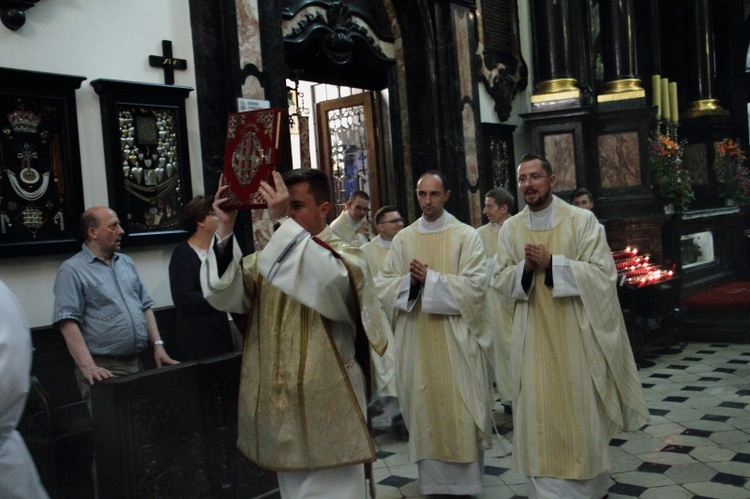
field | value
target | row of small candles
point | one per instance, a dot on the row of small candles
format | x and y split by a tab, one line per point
665	99
637	270
652	277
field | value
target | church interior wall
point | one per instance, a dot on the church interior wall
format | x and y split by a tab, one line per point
99	40
113	40
522	102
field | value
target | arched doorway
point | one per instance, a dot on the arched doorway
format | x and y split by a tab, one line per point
241	51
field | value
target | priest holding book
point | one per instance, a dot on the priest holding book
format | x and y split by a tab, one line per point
311	307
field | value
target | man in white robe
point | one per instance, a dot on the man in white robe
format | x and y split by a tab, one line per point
352	225
575	383
498	206
581	197
308	296
18	476
432	287
388	222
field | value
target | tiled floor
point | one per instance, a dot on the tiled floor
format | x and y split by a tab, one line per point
696	445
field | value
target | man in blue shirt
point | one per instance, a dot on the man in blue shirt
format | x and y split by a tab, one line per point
101	306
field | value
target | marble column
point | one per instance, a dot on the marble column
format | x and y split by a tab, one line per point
700	57
618	36
551	25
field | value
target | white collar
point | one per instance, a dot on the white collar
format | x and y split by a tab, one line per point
435	226
382	242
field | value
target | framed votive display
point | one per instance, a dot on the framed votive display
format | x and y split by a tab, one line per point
41	195
147	160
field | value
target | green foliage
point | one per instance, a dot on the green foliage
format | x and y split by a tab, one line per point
670	182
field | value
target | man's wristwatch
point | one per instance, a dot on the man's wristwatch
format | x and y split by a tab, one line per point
159	342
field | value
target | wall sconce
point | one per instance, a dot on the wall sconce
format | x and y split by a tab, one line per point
13	12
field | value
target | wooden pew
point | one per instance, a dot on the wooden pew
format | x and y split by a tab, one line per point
59	431
172	432
56	424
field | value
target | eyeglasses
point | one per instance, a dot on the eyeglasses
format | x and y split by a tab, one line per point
394	221
361	208
534	178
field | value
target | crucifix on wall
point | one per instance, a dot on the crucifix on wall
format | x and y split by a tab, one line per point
167	61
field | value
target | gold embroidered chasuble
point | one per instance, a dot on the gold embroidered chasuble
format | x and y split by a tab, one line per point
575	383
301	391
441	364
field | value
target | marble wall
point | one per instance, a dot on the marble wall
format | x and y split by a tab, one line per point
559	149
619	162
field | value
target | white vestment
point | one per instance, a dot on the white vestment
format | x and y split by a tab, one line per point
575	383
441	348
345	228
499	321
18	476
302	397
384	366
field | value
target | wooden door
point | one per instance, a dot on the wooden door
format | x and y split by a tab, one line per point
348	150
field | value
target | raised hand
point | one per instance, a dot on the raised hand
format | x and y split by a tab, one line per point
276	197
226	217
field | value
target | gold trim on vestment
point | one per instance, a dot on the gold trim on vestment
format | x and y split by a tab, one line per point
304	341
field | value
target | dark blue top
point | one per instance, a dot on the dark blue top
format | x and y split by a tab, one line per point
201	330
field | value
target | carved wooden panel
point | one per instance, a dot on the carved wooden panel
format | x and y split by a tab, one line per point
171	432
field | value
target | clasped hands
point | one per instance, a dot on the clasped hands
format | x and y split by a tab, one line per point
364	229
537	257
418	272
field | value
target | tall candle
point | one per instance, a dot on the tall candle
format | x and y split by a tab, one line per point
665	114
673	102
656	93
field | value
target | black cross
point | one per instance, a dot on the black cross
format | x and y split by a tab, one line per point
168	62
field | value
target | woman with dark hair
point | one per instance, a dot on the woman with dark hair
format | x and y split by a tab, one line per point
202	331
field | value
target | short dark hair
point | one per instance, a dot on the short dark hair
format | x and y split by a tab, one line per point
89	220
317	181
502	196
196	211
359	194
438	174
382	212
530	156
580	191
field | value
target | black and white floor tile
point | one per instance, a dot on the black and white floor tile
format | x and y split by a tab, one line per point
697	444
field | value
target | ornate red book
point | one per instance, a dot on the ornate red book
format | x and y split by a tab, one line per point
253	151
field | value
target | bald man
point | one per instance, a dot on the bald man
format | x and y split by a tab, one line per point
432	288
101	306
